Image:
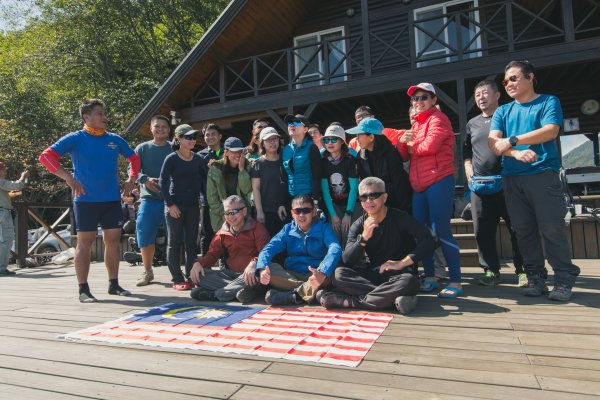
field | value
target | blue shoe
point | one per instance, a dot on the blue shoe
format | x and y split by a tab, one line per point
450	292
429	286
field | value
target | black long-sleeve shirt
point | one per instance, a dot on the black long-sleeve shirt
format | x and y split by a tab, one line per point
397	236
182	181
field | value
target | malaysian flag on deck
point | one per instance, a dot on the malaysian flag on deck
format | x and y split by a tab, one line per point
303	334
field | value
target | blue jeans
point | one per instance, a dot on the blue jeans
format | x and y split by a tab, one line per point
433	208
7	237
182	230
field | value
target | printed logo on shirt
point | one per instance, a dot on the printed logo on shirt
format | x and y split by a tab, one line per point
112	145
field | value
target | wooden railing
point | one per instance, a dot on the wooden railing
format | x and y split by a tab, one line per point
24	212
492	28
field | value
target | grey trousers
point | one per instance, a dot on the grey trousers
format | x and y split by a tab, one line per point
7	237
536	206
225	283
372	290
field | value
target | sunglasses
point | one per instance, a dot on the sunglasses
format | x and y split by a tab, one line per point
370	196
234	211
302	210
295	123
512	78
328	140
189	136
422	97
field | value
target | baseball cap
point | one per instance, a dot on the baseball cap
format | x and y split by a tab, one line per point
371	126
233	144
267	132
335	130
184	129
298	117
428	87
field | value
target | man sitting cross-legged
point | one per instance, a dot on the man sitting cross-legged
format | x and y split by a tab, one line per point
239	240
312	254
393	242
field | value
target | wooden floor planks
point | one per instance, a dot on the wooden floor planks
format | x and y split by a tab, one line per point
491	344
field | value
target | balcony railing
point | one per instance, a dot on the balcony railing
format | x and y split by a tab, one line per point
493	28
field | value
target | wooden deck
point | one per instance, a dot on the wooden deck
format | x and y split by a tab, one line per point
492	344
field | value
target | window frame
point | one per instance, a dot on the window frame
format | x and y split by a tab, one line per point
321	74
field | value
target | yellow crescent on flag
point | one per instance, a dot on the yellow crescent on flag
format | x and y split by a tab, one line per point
204	312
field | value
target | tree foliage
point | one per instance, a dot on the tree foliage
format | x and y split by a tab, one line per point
117	50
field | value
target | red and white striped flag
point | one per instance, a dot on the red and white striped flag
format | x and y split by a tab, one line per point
303	334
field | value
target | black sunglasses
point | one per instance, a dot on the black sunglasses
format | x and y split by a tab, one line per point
370	196
189	136
422	97
234	211
512	78
333	140
302	210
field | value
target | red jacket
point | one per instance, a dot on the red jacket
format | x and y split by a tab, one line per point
241	248
392	134
432	156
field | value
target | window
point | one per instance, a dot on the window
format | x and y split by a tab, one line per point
441	31
309	57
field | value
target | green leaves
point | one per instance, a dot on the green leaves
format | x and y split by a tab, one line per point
61	51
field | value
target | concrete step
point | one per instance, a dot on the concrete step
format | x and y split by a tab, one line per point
459	225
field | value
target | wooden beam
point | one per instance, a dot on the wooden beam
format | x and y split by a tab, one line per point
364	11
568	23
311	108
277	120
449	101
564	53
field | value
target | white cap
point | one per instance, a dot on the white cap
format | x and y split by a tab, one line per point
267	132
428	87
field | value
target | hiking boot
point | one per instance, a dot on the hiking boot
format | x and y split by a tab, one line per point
522	280
560	292
336	300
246	295
536	287
145	278
490	278
277	298
405	304
203	294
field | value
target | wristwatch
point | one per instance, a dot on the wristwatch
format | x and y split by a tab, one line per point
360	240
513	140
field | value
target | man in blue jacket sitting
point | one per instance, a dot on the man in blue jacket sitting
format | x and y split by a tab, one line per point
312	254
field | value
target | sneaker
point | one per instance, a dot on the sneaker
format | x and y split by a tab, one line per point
336	300
118	291
277	298
246	295
560	292
87	298
203	294
490	278
536	287
320	294
145	278
522	280
182	286
7	272
405	304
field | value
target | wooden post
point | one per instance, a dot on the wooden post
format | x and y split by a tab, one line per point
568	23
364	12
22	243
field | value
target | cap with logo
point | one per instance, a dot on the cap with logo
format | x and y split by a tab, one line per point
428	87
335	131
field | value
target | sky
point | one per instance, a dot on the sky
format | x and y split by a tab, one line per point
15	11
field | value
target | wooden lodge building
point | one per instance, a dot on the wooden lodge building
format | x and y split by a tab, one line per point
324	58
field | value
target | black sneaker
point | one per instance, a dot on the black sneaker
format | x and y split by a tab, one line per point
86	297
277	298
6	272
246	295
203	294
560	292
132	258
405	304
118	291
336	300
536	287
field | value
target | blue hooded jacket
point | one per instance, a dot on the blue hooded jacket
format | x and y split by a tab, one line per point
318	248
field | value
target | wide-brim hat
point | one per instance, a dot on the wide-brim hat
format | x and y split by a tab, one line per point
335	131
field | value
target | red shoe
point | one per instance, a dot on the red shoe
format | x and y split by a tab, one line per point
182	286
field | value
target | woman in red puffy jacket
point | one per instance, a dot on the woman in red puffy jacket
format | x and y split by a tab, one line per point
429	146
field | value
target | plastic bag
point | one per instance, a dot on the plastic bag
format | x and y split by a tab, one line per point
64	257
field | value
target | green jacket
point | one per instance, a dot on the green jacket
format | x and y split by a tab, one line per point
216	191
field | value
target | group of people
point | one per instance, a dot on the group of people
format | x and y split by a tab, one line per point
323	217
